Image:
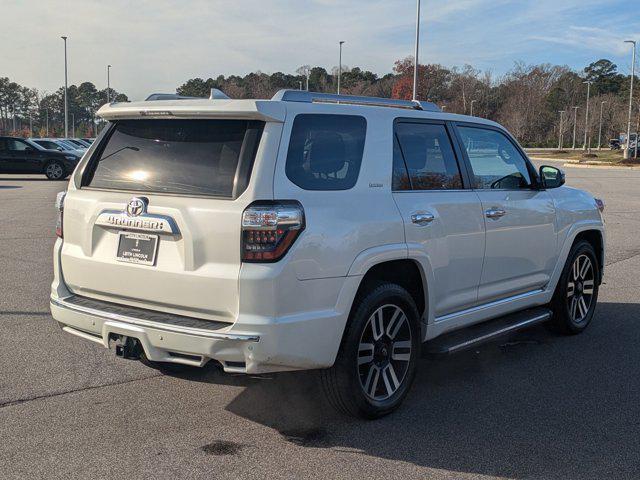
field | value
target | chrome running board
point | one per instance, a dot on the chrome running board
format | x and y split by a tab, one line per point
480	333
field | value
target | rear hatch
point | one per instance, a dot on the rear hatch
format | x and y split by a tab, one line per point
155	218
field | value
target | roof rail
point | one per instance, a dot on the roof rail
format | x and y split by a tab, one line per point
167	96
314	97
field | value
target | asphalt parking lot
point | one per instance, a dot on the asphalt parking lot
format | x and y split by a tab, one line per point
535	405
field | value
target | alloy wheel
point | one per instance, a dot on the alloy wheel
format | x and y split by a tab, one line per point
54	171
580	288
384	352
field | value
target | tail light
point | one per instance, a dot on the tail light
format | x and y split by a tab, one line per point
599	204
269	230
60	209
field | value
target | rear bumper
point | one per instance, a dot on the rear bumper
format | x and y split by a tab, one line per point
255	343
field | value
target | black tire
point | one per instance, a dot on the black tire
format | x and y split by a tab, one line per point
346	381
55	170
576	295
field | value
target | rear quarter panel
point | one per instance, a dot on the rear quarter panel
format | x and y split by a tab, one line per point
342	224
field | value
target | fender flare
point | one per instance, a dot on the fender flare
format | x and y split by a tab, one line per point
574	231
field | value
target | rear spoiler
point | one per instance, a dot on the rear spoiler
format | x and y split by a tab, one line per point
264	110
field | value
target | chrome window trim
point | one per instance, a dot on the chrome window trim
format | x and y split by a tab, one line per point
60	302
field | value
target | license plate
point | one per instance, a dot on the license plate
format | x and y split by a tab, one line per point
138	248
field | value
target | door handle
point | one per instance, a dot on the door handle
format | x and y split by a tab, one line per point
422	218
495	213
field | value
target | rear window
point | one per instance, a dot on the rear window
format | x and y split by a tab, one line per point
193	157
325	151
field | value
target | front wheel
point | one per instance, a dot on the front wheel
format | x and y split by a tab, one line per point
574	301
376	363
55	171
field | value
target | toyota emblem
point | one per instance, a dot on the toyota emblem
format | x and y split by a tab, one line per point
137	206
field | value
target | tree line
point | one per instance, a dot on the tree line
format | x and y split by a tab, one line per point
526	100
28	112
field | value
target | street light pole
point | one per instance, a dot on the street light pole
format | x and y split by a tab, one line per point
73	125
308	72
600	126
415	61
633	74
300	83
575	120
47	110
472	102
340	66
586	116
66	105
108	84
560	130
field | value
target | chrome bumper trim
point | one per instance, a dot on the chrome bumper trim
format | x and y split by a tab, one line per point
60	302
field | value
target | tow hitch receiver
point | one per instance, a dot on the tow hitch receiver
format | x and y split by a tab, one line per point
126	347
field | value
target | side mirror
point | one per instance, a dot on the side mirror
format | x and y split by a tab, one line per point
551	177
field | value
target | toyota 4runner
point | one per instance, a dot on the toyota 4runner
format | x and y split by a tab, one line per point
317	231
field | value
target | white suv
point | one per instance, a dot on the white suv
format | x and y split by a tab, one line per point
317	231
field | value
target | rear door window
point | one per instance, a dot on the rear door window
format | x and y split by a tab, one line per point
426	153
192	157
325	151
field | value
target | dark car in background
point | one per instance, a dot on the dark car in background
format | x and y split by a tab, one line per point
21	156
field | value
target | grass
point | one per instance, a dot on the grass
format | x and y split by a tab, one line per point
609	156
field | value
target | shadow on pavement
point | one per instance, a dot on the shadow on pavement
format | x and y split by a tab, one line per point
532	405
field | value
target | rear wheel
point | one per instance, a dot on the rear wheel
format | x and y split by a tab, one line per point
576	294
376	363
55	170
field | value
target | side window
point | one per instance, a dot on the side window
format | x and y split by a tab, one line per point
495	161
400	179
17	145
325	151
428	156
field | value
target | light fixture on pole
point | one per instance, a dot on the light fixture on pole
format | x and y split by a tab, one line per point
415	60
472	102
575	121
108	84
66	105
633	74
600	126
561	112
586	117
340	66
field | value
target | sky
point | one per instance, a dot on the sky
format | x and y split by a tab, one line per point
156	45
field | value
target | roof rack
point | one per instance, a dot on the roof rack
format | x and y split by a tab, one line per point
167	96
315	97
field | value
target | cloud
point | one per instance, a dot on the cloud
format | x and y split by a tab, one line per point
157	45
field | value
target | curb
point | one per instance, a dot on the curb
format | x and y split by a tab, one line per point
588	164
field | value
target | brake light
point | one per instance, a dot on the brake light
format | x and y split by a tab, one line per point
269	230
60	208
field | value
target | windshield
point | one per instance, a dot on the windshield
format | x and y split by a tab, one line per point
177	156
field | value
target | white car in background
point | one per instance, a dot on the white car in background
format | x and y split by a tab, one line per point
59	145
317	231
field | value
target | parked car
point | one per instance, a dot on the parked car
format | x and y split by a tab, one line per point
614	144
21	156
89	140
78	142
317	231
59	145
